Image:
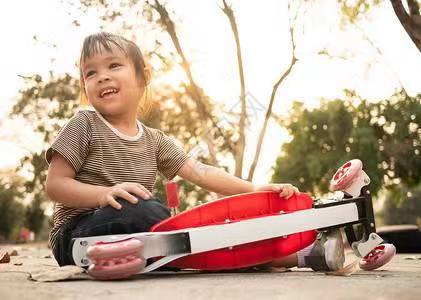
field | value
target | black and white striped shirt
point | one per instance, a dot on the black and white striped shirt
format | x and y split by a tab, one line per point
101	155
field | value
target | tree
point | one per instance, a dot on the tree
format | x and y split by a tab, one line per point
410	20
384	135
276	85
319	141
34	214
193	120
241	143
12	211
184	111
234	138
46	106
402	205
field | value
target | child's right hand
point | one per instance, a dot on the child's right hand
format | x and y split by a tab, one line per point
123	190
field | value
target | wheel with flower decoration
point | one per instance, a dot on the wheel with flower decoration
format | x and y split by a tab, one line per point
380	256
345	175
116	260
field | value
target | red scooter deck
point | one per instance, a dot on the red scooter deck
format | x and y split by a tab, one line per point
235	209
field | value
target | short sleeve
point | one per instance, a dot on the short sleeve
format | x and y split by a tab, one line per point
72	141
170	156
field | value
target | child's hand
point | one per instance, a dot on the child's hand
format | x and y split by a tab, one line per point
123	190
285	189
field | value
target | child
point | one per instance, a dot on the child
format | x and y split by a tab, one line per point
103	163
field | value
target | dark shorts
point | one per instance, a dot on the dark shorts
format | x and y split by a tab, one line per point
131	218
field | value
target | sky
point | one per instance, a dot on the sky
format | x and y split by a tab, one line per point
207	40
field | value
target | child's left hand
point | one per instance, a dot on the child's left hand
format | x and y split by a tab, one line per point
285	189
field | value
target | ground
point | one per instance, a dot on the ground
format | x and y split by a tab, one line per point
399	280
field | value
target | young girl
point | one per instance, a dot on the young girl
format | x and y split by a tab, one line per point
103	163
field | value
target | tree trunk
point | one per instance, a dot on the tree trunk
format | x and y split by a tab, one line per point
241	143
411	22
194	91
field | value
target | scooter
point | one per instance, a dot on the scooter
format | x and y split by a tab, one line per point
242	231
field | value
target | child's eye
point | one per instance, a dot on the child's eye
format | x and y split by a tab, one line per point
114	65
90	73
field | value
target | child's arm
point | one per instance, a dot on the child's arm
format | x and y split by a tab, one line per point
62	187
221	182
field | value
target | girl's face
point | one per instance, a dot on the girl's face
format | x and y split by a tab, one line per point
111	84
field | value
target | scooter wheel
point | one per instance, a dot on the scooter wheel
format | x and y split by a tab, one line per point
380	256
345	175
116	260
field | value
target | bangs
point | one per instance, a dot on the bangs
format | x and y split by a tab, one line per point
99	42
107	42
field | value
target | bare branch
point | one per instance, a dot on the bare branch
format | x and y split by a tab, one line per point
272	99
241	143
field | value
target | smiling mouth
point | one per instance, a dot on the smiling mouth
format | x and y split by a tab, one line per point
108	92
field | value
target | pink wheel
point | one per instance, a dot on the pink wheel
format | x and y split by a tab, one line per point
345	175
116	260
380	256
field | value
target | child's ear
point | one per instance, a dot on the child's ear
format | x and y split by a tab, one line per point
147	73
83	95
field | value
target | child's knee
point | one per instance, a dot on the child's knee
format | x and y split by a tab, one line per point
154	209
148	212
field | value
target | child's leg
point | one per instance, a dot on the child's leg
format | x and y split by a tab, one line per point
130	218
325	254
289	261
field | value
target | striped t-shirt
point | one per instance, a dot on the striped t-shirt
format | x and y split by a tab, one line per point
101	155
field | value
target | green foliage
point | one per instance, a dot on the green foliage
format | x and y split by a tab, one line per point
46	104
400	141
352	10
11	210
320	138
34	215
402	206
384	135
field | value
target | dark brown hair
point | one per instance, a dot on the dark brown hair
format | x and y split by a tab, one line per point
96	43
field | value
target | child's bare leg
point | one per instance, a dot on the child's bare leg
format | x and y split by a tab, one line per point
289	261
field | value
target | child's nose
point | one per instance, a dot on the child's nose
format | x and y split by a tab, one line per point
103	77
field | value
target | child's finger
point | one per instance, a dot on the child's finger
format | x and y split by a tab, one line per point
290	192
141	187
115	204
141	192
145	189
125	195
137	189
284	192
112	202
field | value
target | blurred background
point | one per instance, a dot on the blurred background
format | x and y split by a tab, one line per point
272	91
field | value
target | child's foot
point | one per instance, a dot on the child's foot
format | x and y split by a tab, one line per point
327	253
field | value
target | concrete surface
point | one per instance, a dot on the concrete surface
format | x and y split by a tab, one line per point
399	280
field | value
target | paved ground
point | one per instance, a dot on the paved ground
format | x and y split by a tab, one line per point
399	280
